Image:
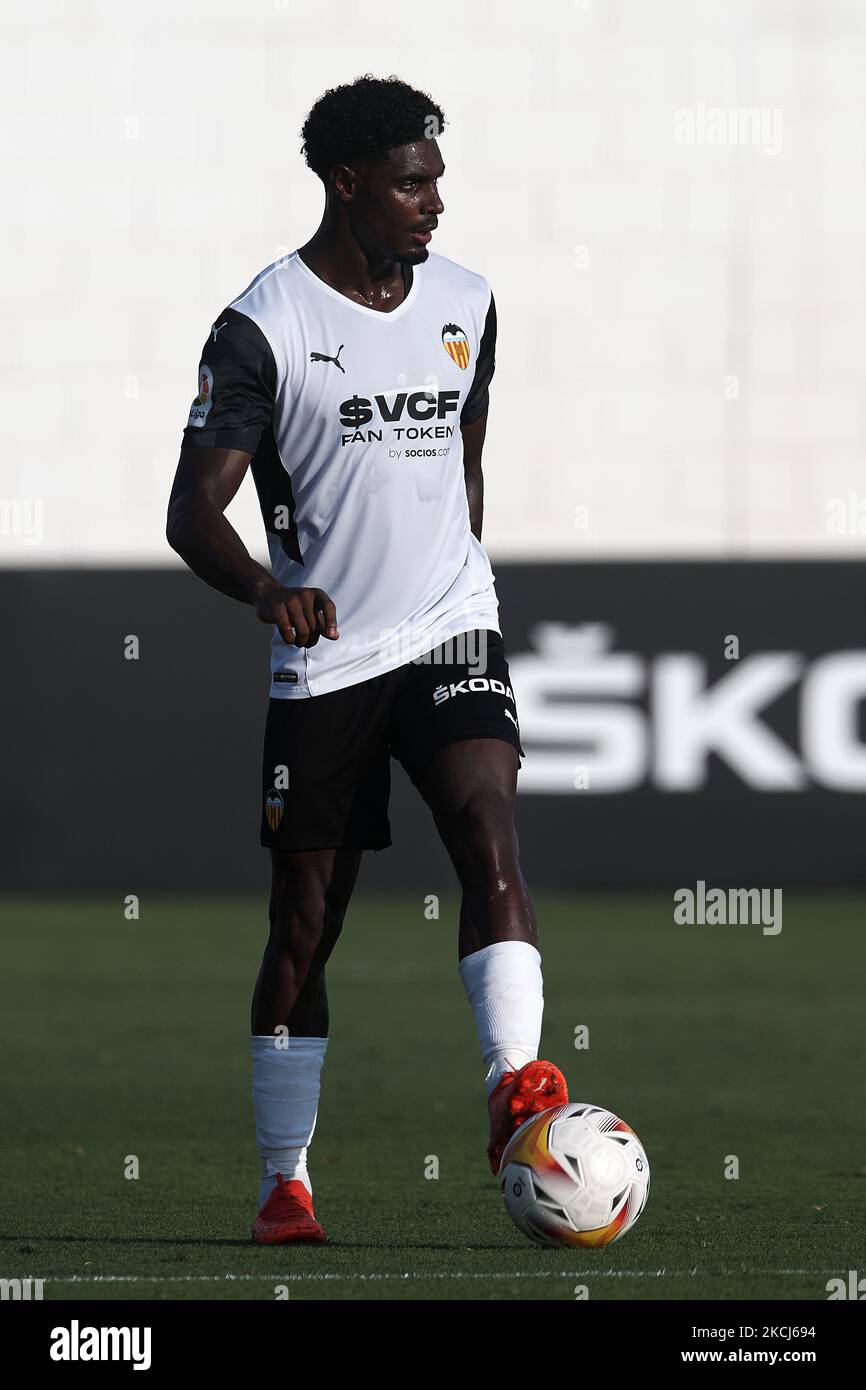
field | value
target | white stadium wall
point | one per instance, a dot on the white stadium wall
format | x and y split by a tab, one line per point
667	199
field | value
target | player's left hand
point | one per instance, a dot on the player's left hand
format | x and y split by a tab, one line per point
302	616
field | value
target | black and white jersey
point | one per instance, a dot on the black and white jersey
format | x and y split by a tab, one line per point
352	417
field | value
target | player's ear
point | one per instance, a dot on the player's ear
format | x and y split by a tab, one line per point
344	182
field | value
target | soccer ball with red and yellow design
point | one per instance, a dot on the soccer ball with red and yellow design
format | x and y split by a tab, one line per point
574	1175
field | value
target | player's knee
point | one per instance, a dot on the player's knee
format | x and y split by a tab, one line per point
310	891
299	914
483	843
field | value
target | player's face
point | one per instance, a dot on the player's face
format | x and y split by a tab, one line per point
397	206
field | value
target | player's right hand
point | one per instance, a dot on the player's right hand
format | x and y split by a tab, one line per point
302	616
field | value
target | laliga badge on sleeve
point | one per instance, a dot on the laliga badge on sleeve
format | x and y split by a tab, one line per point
200	408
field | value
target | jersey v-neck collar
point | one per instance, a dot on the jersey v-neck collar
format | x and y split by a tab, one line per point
405	304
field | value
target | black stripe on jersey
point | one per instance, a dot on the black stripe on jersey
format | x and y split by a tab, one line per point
244	385
478	399
276	498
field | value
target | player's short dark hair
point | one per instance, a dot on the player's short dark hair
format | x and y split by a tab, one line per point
365	119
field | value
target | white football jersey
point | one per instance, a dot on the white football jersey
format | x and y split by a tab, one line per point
353	419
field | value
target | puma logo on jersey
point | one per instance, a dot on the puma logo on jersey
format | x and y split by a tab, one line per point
472	687
323	357
215	328
509	715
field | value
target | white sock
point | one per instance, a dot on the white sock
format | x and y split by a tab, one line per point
286	1080
503	982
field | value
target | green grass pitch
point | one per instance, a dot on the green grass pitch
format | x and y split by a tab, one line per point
130	1038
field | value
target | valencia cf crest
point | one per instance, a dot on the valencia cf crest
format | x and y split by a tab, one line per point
274	807
456	344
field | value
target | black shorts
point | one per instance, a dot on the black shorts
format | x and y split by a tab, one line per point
326	775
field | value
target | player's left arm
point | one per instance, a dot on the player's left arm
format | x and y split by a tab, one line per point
473	420
473	443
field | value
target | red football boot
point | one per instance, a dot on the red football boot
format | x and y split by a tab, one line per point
287	1216
519	1094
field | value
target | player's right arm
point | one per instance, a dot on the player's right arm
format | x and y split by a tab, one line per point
237	386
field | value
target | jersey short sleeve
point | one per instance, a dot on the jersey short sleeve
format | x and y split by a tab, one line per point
237	386
478	399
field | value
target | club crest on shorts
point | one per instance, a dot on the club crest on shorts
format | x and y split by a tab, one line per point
274	808
456	344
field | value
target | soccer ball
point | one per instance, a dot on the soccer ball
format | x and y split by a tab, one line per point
574	1175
